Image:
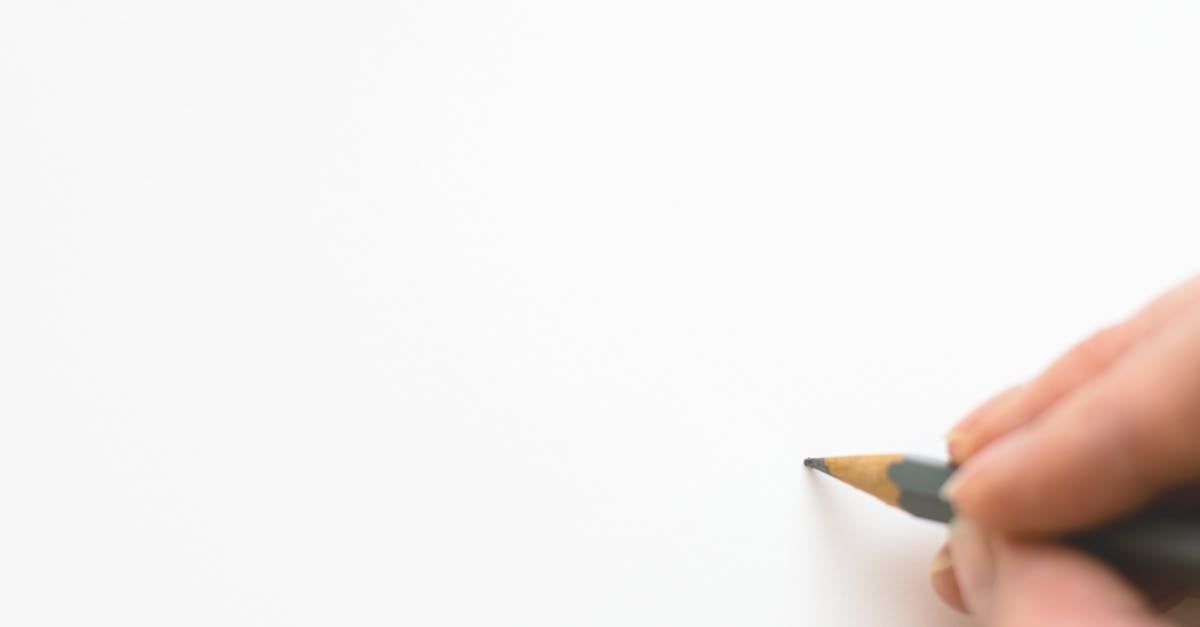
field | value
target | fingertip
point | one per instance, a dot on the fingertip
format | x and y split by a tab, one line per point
977	489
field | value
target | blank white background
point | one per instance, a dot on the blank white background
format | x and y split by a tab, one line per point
526	312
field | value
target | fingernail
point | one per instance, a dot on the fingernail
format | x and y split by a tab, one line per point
954	444
950	487
1008	450
973	564
941	561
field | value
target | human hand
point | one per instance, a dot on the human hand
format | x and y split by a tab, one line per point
1113	425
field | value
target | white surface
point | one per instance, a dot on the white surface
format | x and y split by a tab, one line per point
526	313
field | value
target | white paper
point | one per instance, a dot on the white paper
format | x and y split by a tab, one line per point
527	313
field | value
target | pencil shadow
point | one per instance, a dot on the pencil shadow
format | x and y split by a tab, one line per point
887	573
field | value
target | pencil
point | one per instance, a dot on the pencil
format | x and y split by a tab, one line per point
1149	543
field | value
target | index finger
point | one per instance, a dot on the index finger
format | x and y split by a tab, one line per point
1122	439
1018	407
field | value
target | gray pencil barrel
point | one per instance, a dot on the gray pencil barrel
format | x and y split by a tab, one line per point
1155	544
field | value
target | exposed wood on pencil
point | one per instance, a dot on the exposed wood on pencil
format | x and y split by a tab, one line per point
865	472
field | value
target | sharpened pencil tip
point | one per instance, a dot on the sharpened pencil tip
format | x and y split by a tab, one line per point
816	463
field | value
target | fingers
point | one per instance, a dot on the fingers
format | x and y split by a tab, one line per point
1107	427
1019	406
1124	437
1009	582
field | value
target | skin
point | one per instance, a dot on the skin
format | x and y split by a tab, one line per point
1115	426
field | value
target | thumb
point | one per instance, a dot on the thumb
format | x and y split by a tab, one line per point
1009	582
